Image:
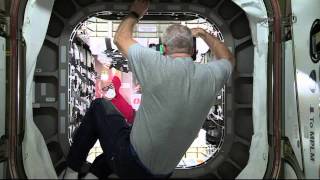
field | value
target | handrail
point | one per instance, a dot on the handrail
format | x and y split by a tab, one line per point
13	94
277	102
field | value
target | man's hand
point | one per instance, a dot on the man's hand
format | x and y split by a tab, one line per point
123	38
215	45
140	7
198	32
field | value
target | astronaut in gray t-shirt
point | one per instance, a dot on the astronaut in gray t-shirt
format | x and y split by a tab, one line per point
177	93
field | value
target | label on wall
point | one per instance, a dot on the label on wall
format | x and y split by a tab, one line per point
135	101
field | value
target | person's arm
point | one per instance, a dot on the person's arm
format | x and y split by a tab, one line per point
215	45
123	38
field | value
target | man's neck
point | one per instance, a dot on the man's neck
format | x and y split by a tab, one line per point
179	55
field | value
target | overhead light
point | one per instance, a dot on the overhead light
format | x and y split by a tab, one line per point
104	13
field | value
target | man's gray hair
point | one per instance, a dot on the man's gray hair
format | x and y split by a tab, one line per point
178	39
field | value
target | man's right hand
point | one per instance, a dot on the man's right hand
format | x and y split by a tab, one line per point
198	32
215	45
140	7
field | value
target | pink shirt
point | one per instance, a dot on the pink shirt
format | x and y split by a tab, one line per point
122	105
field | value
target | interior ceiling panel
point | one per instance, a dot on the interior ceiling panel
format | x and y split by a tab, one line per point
240	27
228	9
55	27
85	2
65	8
210	3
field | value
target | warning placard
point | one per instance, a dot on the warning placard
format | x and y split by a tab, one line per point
135	101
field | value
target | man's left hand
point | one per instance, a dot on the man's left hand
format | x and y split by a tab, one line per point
140	7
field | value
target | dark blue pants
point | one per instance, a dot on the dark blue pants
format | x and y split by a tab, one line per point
102	121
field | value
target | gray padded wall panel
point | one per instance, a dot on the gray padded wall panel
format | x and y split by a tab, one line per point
244	58
2	171
46	89
48	59
48	117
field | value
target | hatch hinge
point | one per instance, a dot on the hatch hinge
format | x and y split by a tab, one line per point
285	21
289	20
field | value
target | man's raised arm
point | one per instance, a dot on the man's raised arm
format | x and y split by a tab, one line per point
215	45
123	38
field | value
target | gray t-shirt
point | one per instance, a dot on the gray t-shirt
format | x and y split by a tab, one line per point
177	95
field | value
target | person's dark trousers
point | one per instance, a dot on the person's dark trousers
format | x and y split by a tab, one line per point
100	167
102	121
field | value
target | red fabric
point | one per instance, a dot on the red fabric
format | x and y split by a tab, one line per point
122	105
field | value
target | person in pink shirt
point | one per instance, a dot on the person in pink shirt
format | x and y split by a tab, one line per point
111	91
